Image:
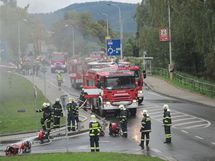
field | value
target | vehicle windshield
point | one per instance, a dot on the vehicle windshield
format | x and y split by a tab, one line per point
123	82
57	57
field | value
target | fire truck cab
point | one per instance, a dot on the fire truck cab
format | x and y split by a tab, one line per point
138	77
107	88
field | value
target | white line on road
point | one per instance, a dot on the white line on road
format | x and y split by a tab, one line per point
199	137
185	123
186	132
194	126
156	150
213	143
184	119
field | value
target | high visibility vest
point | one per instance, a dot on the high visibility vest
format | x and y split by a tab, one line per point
94	128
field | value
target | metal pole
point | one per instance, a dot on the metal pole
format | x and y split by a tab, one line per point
170	39
73	42
121	28
121	34
107	23
19	41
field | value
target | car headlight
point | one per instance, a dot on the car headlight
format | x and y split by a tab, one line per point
107	103
140	92
134	101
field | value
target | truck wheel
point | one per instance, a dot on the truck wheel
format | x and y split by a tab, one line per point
140	100
133	112
100	109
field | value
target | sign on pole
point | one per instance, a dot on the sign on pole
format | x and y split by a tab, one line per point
113	47
164	35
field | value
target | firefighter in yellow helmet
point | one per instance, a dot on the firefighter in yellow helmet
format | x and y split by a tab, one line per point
167	122
94	132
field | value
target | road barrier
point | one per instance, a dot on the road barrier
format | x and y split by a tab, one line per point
187	82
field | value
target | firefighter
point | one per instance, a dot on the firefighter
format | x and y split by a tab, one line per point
145	129
82	99
94	132
71	108
167	122
47	116
57	113
59	79
123	120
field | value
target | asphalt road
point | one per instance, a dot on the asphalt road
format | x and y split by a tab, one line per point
193	130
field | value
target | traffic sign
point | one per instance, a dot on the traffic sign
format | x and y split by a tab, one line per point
113	47
164	35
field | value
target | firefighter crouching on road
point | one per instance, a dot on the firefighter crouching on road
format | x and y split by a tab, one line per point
145	129
167	122
46	117
123	120
57	113
94	131
72	109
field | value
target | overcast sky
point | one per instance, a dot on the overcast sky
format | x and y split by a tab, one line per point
44	6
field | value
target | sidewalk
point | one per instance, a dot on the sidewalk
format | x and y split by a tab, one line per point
163	87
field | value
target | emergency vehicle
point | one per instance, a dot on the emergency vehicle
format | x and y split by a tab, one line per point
76	71
58	62
138	77
78	68
108	88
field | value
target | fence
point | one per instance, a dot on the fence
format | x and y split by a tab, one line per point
187	82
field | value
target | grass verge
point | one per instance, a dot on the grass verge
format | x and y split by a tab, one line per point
82	157
17	104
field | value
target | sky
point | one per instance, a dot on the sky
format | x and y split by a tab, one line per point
45	6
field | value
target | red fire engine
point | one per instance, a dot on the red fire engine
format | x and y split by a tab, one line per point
78	68
76	71
58	61
138	77
107	88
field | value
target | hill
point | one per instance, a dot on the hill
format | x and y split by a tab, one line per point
96	9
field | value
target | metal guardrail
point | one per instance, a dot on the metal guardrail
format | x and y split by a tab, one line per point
190	83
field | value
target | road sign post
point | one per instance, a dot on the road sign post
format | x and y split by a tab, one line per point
113	47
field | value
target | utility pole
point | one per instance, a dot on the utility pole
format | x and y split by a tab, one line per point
170	42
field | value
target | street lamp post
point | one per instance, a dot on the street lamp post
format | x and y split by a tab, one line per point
19	41
73	40
121	27
107	23
170	40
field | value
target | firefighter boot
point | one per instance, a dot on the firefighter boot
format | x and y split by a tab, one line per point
142	144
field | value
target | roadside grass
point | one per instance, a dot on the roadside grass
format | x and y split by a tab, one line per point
16	94
192	86
82	157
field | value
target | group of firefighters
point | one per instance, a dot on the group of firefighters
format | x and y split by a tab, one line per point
53	114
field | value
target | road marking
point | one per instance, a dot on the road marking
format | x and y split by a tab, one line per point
194	126
184	119
185	123
156	150
186	132
199	137
213	143
154	113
